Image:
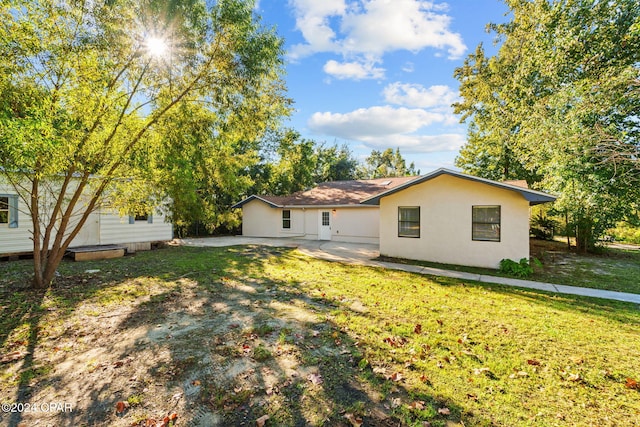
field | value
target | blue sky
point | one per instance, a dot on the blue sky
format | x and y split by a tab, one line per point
374	74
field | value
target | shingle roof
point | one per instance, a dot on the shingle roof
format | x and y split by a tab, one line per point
336	193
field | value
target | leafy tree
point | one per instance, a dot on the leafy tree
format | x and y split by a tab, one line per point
558	105
89	100
290	163
334	163
387	163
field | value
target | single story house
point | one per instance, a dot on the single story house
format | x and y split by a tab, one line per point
444	216
103	227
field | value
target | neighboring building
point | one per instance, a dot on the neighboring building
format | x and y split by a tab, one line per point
444	216
103	227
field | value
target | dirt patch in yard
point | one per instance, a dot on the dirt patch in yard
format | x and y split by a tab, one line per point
218	349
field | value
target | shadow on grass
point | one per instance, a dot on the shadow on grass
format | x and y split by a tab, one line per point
219	345
206	334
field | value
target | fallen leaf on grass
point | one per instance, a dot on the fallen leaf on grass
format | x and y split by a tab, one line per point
574	377
632	384
418	404
418	328
354	420
396	376
533	362
121	406
444	411
395	341
315	379
260	422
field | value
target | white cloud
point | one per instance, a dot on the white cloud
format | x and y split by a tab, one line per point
353	70
415	95
387	126
373	27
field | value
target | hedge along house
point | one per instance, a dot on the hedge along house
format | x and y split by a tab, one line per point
330	211
103	227
453	218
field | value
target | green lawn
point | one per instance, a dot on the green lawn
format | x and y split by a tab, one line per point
245	332
612	269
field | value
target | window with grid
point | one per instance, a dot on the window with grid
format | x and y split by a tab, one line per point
486	223
286	219
409	221
325	219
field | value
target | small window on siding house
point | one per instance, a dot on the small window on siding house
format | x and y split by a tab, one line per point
286	218
409	221
148	218
486	223
9	210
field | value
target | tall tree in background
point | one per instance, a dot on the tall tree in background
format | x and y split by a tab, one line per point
290	163
558	105
92	96
387	163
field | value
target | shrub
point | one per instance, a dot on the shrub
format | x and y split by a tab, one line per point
517	269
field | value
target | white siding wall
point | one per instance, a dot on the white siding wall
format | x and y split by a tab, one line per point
445	223
16	239
100	228
115	229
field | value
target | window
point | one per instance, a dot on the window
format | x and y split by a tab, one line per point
286	218
409	221
486	223
9	210
148	218
4	210
325	219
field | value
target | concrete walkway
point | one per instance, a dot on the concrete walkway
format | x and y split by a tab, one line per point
364	254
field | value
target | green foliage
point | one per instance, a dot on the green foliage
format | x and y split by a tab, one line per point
387	163
543	226
558	106
626	233
520	269
90	116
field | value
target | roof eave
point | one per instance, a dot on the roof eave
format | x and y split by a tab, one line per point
534	197
254	197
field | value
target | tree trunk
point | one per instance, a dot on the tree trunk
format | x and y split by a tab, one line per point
584	235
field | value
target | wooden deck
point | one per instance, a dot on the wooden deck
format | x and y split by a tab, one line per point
91	253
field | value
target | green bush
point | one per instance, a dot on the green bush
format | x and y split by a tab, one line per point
626	233
517	269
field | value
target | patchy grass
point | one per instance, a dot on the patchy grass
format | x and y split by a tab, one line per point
226	336
613	269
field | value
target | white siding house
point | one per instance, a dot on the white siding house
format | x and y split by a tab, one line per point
104	226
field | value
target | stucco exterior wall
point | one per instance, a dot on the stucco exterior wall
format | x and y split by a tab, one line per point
356	225
348	224
446	223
